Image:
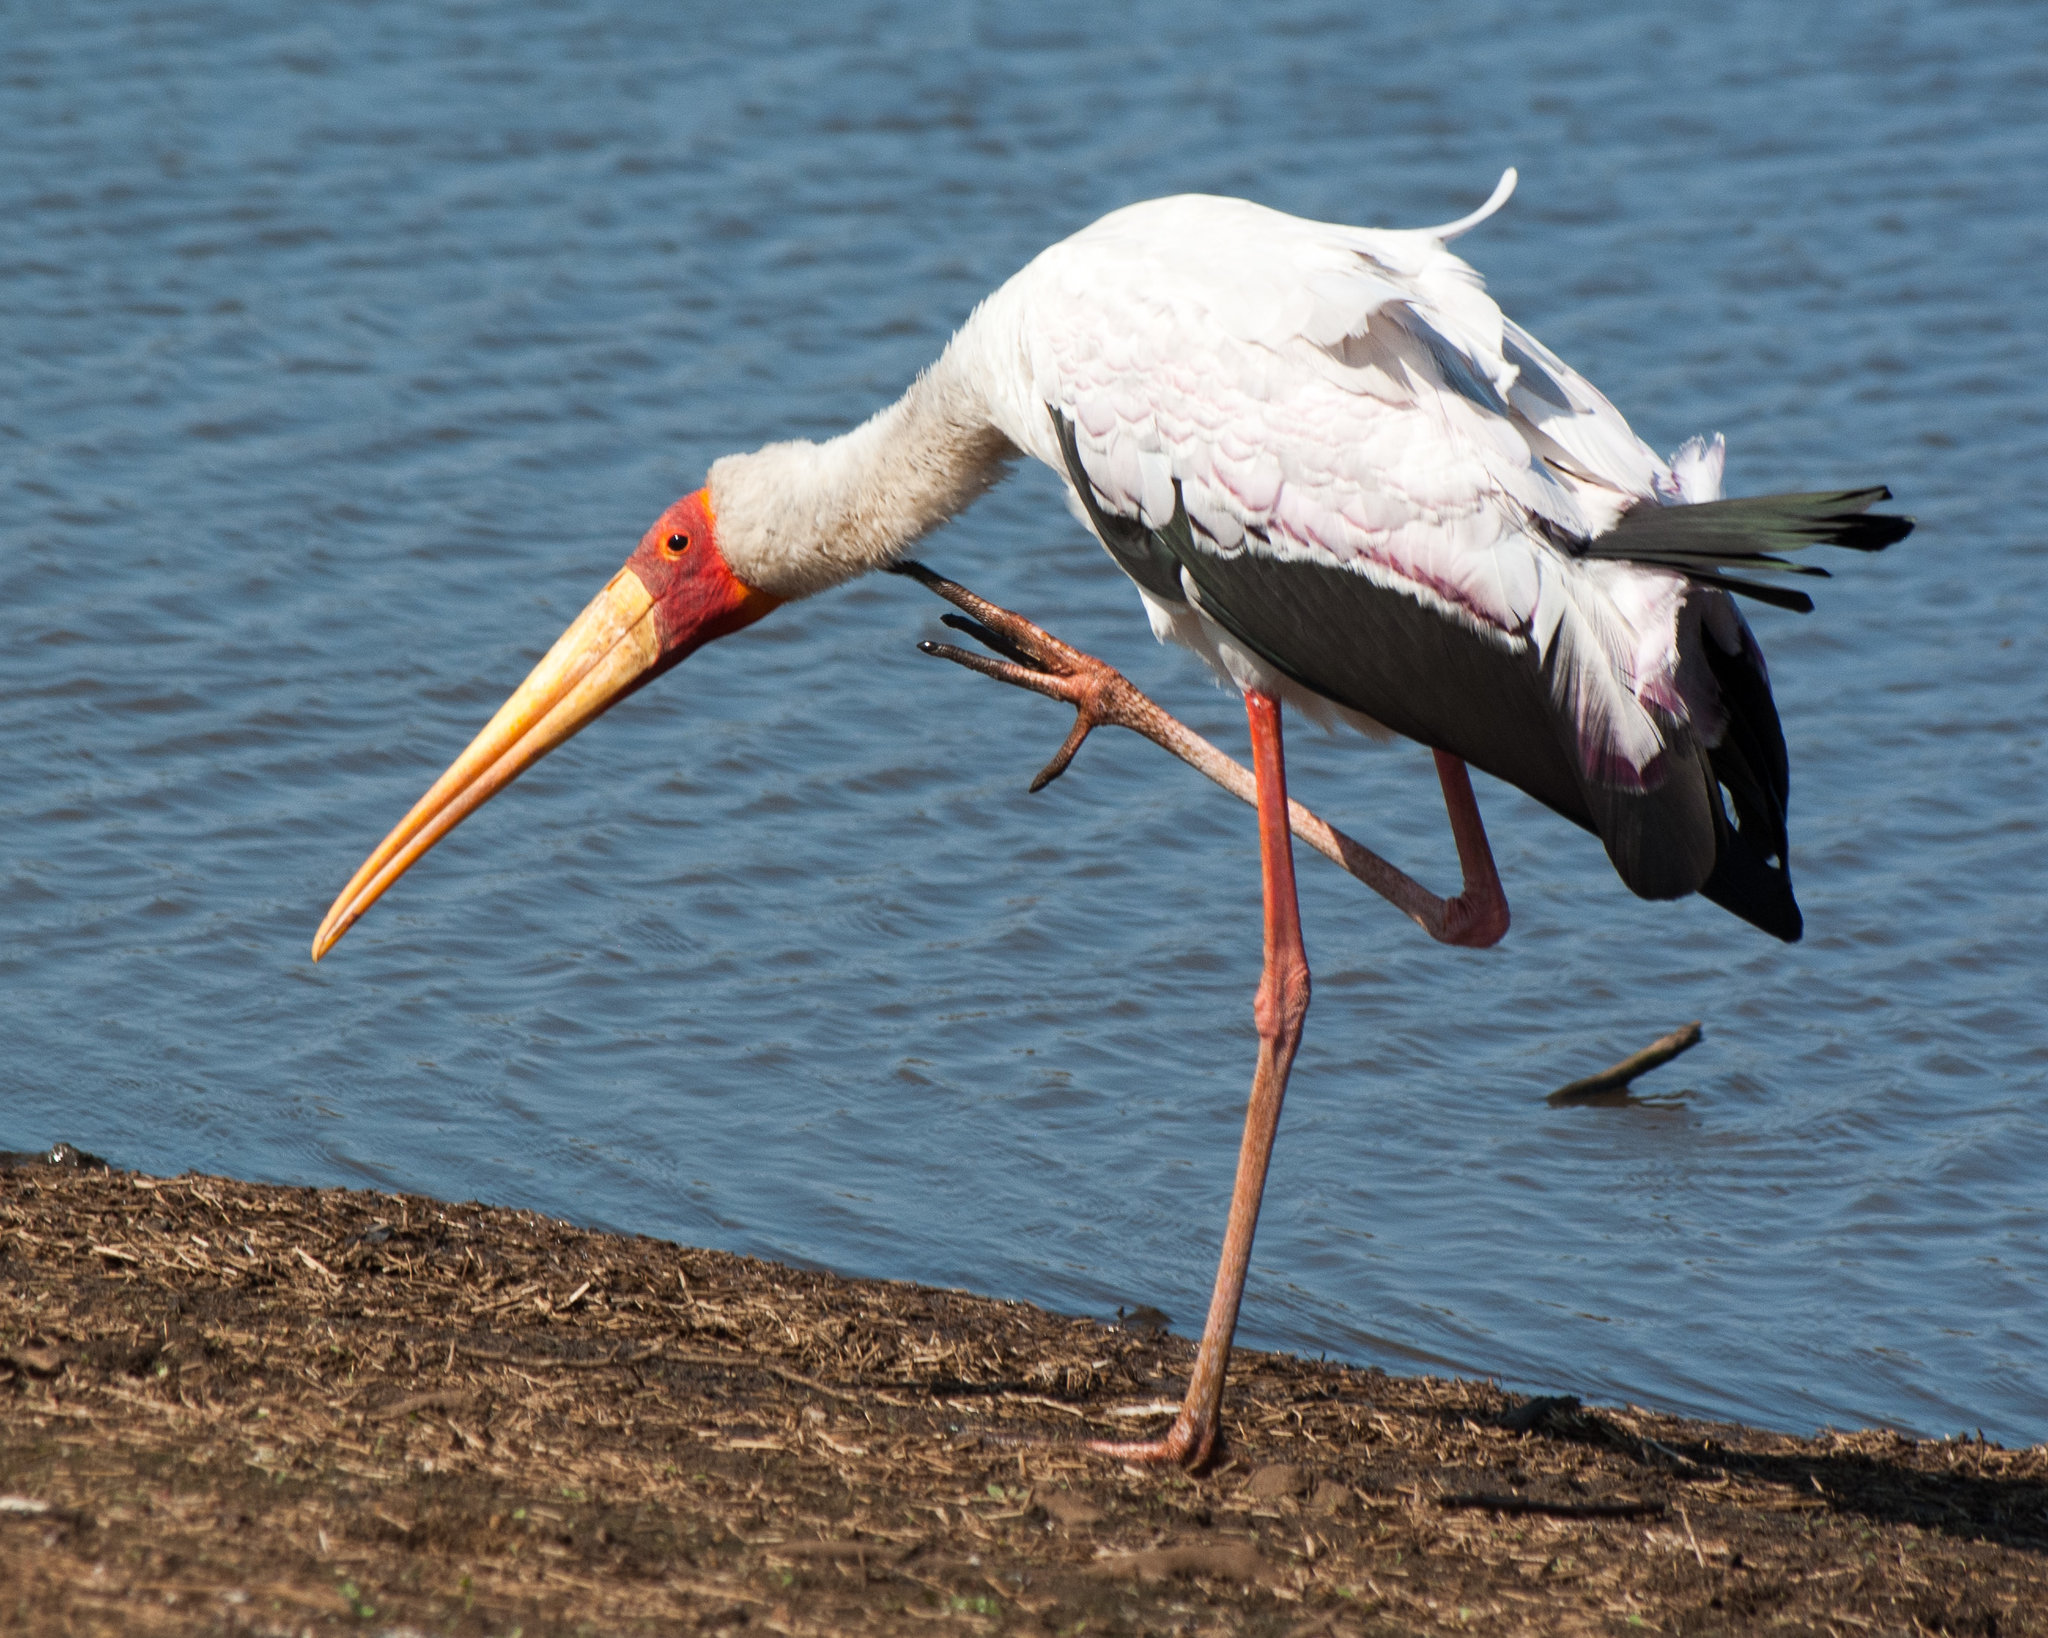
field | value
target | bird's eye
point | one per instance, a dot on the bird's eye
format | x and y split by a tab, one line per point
678	544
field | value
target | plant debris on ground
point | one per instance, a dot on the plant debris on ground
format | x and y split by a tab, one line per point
231	1407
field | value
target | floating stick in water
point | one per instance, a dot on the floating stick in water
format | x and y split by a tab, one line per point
1613	1082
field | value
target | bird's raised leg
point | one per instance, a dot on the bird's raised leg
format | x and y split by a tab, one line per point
1478	916
1281	1006
1033	658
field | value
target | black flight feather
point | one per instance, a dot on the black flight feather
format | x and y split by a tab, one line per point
1752	870
1703	540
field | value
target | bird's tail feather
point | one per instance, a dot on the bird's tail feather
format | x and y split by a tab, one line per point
1703	541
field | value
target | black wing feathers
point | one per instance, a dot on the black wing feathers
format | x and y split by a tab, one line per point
1779	597
1712	822
1751	875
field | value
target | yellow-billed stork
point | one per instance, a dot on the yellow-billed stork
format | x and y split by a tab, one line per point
1338	473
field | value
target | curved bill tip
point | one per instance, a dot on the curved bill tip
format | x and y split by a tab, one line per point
610	648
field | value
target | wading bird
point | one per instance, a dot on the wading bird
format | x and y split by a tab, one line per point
1340	475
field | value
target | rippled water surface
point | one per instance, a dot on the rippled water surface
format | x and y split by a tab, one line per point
349	347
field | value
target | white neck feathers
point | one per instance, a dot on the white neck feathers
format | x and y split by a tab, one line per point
796	518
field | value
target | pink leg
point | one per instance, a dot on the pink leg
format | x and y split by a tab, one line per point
1281	1006
1100	695
1478	916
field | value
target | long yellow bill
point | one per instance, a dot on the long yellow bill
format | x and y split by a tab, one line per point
612	645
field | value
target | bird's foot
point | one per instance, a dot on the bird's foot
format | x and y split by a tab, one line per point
1172	1448
1032	657
1191	1443
1187	1445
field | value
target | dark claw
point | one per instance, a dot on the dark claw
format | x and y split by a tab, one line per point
1026	675
1065	754
993	641
1018	676
1014	665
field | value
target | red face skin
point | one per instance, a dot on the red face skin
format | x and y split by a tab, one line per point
697	598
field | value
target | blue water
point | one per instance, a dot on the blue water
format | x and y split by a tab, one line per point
349	347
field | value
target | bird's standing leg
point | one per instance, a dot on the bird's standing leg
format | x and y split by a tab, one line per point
1281	1006
1102	696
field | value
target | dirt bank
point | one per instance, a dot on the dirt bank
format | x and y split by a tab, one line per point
236	1408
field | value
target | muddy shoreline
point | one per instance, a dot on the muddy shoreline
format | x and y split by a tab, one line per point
232	1407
